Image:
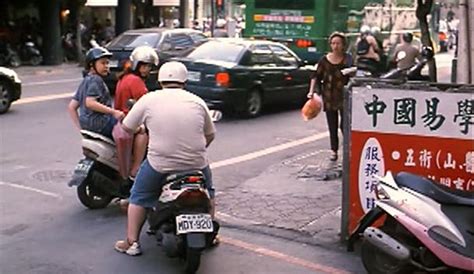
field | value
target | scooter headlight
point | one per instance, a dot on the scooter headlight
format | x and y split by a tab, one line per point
380	193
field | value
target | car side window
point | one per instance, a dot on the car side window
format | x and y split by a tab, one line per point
180	41
283	57
197	38
262	56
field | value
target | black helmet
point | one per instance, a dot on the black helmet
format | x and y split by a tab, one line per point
407	37
427	52
97	53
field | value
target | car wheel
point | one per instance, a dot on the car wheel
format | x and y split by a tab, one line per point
253	104
5	96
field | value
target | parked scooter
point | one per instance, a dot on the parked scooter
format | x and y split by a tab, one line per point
427	228
8	57
181	219
412	73
29	52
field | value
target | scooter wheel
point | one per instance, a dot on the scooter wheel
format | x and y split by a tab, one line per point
193	260
376	261
90	197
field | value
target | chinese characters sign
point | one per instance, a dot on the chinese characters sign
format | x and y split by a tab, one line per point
415	112
423	132
282	29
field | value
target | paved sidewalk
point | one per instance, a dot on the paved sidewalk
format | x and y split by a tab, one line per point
299	198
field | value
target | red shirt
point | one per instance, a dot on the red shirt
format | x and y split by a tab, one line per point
130	86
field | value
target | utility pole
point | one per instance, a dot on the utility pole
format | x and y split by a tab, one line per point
123	16
465	65
213	17
49	14
183	13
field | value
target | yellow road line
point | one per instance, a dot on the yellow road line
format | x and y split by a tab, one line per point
35	99
282	256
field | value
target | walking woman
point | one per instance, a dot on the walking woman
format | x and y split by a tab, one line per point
328	81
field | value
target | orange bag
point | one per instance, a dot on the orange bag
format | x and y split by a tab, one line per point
124	144
312	108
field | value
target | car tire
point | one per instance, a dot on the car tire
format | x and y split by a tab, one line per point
253	104
6	95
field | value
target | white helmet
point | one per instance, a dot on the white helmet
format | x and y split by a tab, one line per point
365	29
375	30
144	54
173	72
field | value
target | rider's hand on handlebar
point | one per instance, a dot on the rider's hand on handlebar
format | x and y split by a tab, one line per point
119	115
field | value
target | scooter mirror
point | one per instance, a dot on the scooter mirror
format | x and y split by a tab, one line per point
130	103
216	115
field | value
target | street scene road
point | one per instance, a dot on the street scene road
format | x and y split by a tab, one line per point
278	196
268	200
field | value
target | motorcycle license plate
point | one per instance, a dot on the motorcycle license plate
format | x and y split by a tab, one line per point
80	172
188	223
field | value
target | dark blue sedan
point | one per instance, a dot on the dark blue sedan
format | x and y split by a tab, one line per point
244	75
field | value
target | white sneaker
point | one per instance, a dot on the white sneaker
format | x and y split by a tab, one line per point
125	247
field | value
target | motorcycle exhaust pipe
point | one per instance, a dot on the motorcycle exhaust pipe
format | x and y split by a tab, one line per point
386	243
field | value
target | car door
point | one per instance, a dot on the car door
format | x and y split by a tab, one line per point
295	79
266	72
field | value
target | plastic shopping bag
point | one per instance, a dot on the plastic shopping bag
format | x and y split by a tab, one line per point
124	143
312	108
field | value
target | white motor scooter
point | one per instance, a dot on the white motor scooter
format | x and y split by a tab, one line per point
97	176
427	228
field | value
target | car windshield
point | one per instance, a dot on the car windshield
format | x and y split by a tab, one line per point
219	51
132	40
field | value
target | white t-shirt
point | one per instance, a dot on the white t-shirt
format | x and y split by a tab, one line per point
178	122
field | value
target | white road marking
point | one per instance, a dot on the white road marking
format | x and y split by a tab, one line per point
269	150
223	163
47	193
51	82
29	100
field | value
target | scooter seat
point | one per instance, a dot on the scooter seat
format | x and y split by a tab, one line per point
433	190
93	135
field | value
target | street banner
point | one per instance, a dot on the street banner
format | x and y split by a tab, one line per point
422	130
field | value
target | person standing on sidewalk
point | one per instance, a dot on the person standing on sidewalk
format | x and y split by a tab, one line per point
93	99
328	81
131	85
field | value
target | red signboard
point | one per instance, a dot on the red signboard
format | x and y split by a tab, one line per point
423	132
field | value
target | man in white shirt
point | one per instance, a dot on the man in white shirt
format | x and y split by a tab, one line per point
180	129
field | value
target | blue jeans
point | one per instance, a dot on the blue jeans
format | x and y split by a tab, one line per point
148	184
107	130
